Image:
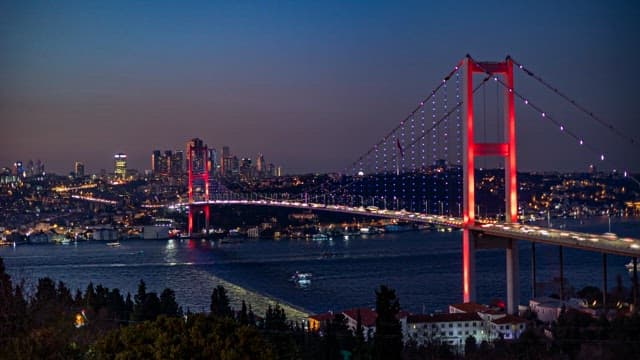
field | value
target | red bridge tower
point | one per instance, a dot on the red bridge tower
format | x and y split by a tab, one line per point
197	165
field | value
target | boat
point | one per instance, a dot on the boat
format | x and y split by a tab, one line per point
301	279
319	237
113	244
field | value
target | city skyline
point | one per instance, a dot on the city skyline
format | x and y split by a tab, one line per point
312	85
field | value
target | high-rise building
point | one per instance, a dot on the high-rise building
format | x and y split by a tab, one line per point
156	162
225	161
18	169
177	163
39	167
78	169
196	159
213	161
227	165
245	168
120	160
260	165
31	169
235	165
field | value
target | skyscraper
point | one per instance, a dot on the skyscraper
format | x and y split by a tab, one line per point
156	161
18	169
78	170
245	168
177	163
213	161
225	161
260	166
120	160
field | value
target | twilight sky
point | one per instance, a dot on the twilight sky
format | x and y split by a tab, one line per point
310	84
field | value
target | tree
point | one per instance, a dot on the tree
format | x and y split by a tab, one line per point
337	337
387	341
360	350
168	304
146	306
278	332
44	307
220	303
470	346
243	317
251	317
275	319
200	337
590	293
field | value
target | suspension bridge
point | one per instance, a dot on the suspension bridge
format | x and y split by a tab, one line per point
423	170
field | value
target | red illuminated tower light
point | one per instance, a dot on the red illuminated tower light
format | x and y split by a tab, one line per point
471	150
197	164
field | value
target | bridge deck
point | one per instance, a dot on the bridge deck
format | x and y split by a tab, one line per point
603	243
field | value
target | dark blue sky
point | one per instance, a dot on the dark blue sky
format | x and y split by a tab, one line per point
311	85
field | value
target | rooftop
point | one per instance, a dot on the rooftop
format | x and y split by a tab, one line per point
470	307
451	317
509	319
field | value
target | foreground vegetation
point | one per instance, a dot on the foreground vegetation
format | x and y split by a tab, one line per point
102	323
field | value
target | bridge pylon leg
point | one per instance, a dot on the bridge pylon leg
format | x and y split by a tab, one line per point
190	220
207	219
513	275
468	266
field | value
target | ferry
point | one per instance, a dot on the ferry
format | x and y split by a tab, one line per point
113	244
301	279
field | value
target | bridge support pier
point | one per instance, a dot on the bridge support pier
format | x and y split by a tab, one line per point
604	283
533	270
635	284
561	273
512	265
194	210
513	277
468	265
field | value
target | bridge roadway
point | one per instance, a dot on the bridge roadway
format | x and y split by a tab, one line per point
603	243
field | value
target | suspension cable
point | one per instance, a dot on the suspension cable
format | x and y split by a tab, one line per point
583	109
545	115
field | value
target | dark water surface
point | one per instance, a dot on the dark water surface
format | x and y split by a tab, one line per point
424	268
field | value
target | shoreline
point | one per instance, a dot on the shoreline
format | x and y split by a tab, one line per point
260	301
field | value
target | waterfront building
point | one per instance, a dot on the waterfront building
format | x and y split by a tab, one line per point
320	321
451	328
482	322
508	327
120	160
367	319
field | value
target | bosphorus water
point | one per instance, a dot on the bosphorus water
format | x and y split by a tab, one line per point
423	266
